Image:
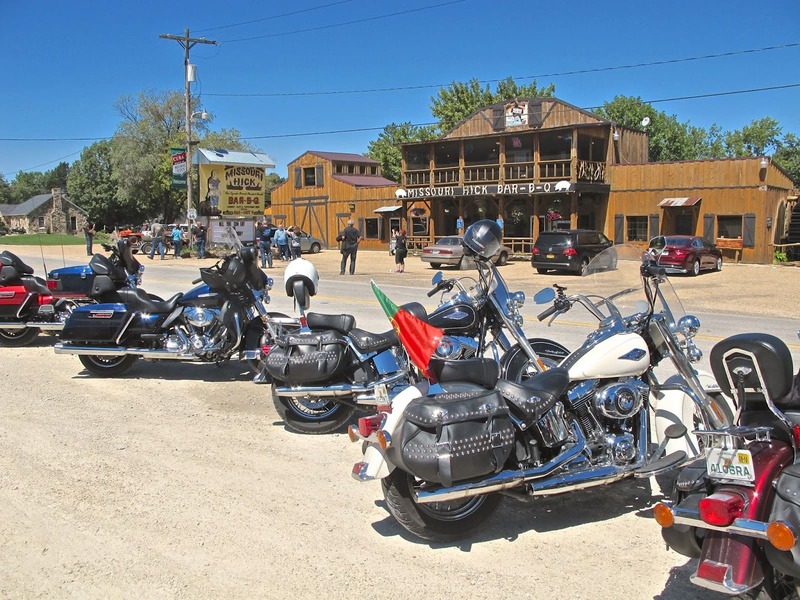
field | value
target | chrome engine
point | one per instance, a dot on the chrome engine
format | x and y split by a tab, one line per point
456	347
203	332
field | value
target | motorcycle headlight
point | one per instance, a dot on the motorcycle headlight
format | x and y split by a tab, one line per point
689	325
518	298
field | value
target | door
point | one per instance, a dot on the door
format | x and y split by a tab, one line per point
683	224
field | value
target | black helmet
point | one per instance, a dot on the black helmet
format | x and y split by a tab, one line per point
483	238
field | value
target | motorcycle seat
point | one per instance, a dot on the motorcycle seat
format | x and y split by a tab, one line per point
530	400
137	299
481	371
35	285
341	323
9	259
373	342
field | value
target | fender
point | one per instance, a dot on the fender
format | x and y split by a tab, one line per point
675	406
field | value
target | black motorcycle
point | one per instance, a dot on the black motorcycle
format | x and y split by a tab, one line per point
330	369
225	315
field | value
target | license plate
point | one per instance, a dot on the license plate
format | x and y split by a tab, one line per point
551	256
730	464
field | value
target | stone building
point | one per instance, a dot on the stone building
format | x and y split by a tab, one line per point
45	213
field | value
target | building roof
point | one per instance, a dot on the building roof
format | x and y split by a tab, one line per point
344	157
220	156
25	208
364	180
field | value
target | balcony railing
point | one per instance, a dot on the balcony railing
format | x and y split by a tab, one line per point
547	170
551	170
592	170
481	173
446	176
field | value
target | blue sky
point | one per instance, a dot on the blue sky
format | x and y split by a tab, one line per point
273	78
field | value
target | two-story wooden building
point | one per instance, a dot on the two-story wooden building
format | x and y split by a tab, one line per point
541	163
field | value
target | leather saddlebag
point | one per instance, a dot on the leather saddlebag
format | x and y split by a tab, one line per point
786	508
456	436
307	357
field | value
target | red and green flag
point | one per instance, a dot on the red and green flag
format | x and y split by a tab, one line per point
418	337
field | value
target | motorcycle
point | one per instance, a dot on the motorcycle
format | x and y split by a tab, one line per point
30	304
445	447
322	375
224	315
737	508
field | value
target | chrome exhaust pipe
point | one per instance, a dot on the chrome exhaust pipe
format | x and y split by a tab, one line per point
54	326
362	394
505	479
145	353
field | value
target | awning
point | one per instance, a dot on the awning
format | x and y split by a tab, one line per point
387	209
691	201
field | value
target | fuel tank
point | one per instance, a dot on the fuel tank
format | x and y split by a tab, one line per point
455	317
612	355
202	295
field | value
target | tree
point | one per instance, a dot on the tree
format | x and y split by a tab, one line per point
6	195
787	156
759	138
92	185
456	102
386	149
271	181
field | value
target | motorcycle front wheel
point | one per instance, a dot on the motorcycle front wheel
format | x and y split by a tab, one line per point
438	521
312	415
18	337
107	366
515	364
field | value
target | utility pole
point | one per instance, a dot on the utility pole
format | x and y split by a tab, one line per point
187	43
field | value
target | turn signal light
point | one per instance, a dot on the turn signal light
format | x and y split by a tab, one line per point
721	509
352	433
663	515
369	425
384	439
781	536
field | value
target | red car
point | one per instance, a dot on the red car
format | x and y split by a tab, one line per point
685	253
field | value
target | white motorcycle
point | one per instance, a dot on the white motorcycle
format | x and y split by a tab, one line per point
443	450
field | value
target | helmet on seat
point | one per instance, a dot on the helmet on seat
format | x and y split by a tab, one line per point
483	239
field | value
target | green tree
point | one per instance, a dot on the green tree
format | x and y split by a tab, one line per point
386	149
92	185
6	195
459	100
759	138
271	181
788	156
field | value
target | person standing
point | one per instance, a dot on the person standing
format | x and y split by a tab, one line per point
294	243
265	246
157	240
349	237
200	240
400	251
88	235
176	240
283	242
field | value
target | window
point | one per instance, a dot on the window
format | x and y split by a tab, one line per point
419	226
373	170
73	223
637	229
371	228
41	223
729	226
309	177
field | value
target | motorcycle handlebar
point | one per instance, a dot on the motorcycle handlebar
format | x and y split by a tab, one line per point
196	281
549	312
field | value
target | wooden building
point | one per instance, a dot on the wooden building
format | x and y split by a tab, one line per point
541	163
326	189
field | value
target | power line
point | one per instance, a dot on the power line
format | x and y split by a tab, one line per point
332	25
289	14
482	81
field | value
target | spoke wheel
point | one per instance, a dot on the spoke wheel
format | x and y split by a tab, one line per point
107	366
313	415
18	337
438	521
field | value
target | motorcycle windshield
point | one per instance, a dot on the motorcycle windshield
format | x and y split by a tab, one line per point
615	274
231	240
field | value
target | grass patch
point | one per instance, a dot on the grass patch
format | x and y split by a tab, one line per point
44	239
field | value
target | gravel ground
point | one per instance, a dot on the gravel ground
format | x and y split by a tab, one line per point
179	481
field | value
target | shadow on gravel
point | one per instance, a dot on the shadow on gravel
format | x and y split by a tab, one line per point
174	371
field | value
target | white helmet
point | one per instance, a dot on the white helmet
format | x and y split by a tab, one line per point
300	281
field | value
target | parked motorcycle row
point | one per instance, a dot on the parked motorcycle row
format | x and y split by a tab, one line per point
489	412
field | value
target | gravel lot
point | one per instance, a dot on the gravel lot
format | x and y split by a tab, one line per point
178	481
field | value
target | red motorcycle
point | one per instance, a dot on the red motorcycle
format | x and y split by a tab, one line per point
738	509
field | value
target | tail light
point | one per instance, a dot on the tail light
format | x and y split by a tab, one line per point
445	251
265	348
721	509
536	251
570	252
43	300
52	284
368	425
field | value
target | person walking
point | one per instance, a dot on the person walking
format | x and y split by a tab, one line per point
265	246
200	240
177	241
294	243
400	251
88	235
157	240
283	242
349	237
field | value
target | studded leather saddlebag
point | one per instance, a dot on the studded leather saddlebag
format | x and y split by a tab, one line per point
307	357
456	436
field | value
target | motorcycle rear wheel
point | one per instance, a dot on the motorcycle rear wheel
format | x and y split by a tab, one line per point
15	338
312	416
107	366
440	521
776	586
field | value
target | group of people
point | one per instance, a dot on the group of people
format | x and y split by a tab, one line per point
286	240
160	237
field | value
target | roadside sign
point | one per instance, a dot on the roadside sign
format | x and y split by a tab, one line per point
191	213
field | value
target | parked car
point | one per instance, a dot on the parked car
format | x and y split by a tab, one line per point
449	251
3	231
685	253
567	250
309	244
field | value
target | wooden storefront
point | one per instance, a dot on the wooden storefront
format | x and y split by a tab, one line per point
326	189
